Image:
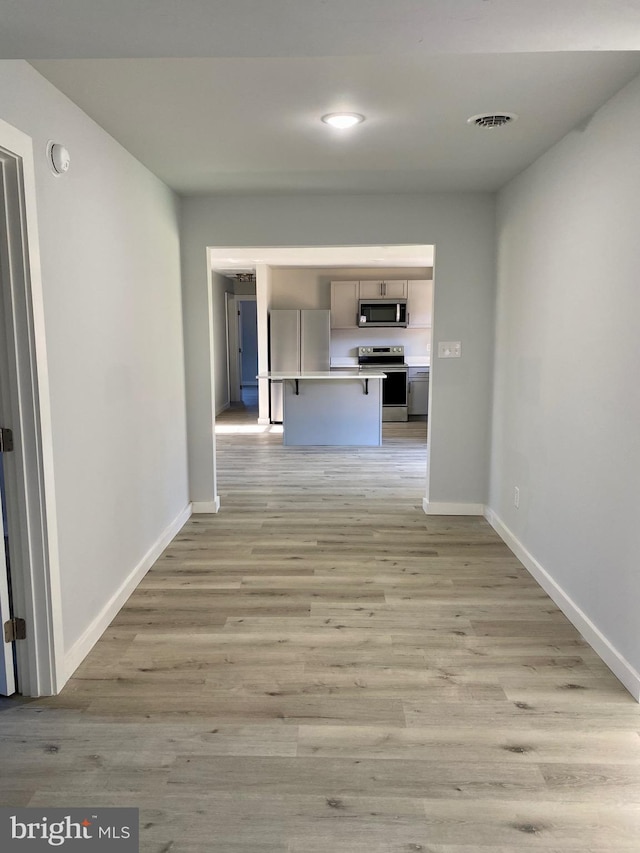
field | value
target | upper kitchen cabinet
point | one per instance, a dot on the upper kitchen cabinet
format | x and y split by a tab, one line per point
395	289
345	295
419	303
344	304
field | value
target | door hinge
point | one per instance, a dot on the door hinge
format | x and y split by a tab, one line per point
6	440
15	629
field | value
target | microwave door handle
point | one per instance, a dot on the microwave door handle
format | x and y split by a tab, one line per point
397	312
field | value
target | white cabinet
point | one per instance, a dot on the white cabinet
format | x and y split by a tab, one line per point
383	289
344	304
418	390
395	290
419	304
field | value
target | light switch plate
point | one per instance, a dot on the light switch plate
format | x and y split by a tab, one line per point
449	349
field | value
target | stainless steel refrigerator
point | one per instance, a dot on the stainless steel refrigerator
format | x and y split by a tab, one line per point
298	342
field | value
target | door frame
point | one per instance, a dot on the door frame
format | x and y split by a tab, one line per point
7	650
29	473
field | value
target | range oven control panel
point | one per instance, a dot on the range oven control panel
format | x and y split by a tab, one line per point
393	351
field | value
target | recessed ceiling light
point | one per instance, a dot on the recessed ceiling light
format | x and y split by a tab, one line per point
491	120
342	120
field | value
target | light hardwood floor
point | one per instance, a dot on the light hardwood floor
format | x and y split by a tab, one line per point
321	668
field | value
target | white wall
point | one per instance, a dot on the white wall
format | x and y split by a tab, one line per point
111	276
462	228
300	287
244	288
566	420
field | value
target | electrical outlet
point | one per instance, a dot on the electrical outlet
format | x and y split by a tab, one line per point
449	349
516	497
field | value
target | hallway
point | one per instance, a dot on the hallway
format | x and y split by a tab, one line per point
321	668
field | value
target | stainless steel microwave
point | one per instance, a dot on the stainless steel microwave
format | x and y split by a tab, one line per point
382	312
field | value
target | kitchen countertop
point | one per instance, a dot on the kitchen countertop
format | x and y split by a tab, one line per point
340	373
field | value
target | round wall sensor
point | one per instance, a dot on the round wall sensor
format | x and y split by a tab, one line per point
59	158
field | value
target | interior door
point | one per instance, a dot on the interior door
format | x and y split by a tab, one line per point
7	665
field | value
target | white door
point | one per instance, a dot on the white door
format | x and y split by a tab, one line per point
7	669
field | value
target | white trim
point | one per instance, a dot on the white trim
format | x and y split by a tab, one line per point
81	648
223	408
206	507
603	647
433	508
40	657
212	380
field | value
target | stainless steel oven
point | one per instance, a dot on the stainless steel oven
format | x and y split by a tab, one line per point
395	387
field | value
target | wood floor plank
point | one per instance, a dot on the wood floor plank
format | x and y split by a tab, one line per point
534	825
229	708
336	778
545	748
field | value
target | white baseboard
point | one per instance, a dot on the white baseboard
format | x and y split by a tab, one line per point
264	421
223	408
431	508
206	507
81	648
616	662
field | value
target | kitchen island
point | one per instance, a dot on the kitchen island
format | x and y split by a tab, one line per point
331	407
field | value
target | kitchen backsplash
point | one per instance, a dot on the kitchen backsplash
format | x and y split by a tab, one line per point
345	343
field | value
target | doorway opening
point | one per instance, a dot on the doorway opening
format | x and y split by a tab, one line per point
270	264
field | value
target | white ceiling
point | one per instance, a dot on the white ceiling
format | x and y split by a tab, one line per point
253	125
239	111
75	29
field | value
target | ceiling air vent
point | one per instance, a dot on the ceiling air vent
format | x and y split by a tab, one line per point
492	119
